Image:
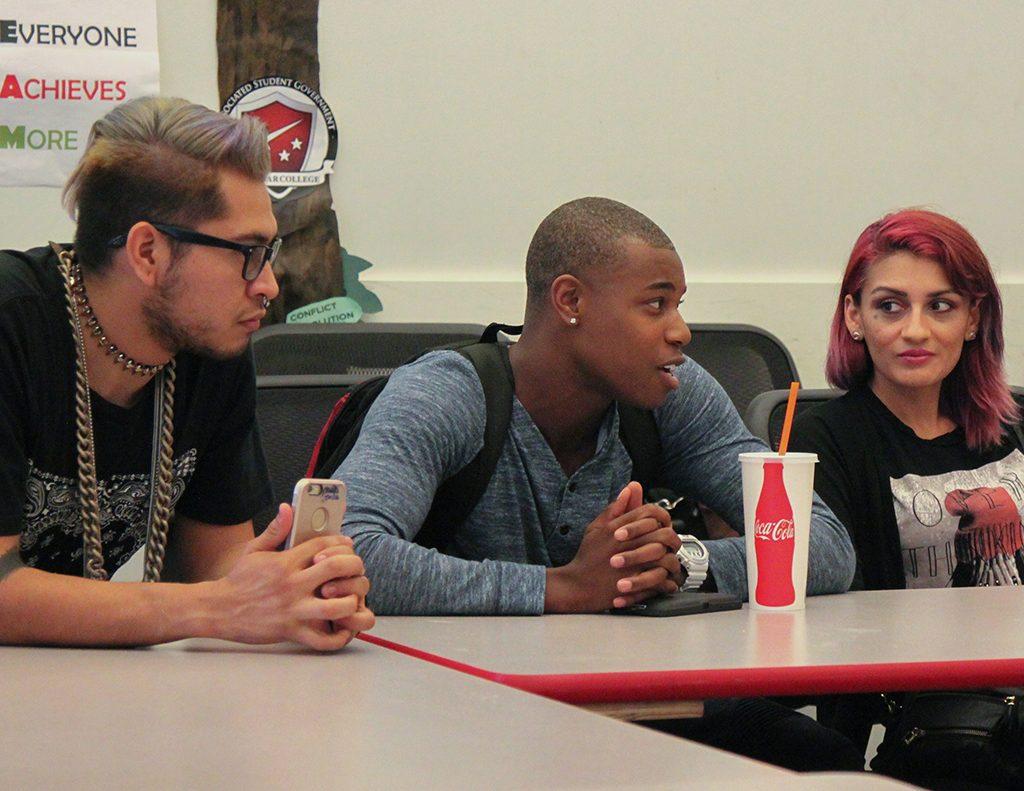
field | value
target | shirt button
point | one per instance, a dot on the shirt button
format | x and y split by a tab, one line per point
564	530
572	486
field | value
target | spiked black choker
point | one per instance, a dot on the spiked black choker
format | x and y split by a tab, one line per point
93	325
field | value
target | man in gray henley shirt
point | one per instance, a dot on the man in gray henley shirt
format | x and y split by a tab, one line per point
560	528
596	331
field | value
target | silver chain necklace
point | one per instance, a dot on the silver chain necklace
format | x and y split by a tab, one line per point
162	463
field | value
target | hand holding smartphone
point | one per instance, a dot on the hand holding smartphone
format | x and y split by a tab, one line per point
318	508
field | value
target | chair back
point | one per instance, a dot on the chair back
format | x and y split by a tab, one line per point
303	369
767	412
746	360
360	351
290	411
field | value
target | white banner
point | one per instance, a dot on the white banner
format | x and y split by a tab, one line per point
63	64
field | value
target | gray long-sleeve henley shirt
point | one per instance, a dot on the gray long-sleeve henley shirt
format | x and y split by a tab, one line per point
428	423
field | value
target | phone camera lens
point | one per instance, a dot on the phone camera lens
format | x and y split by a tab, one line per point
319	519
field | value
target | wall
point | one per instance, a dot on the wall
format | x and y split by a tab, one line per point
761	136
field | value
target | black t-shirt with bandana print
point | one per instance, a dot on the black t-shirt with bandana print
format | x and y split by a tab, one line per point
922	513
220	475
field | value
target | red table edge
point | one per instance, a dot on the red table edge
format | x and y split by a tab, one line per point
655	685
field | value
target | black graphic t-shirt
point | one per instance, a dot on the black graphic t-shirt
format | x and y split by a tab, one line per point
219	473
921	513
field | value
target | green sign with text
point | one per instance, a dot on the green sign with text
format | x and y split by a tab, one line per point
337	310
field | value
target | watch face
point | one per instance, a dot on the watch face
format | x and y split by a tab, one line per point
694	549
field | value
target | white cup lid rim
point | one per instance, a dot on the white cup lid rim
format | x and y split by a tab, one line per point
797	458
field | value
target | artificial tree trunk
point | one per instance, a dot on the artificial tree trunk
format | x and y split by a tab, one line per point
259	38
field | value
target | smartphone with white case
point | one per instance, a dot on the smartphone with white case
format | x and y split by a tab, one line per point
318	507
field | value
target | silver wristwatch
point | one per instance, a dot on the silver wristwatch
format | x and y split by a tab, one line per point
693	556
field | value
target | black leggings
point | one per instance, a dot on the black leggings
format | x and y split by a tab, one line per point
768	731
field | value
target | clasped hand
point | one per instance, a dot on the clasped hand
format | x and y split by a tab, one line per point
628	554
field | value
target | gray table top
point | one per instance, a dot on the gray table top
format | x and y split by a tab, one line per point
861	641
204	714
208	714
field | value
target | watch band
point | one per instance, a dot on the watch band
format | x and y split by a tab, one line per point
694	579
696	568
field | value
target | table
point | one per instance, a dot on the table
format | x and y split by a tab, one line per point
209	714
855	642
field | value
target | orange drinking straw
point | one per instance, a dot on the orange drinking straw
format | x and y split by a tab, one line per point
787	424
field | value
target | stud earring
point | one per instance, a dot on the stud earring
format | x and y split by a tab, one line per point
971	335
856	335
573	321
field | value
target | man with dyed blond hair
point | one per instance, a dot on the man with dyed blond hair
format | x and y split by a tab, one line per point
127	404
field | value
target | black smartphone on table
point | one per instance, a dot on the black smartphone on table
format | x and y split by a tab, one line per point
681	603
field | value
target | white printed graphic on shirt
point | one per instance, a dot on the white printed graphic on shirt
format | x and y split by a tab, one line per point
962	528
53	523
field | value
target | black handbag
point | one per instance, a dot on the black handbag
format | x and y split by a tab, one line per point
968	735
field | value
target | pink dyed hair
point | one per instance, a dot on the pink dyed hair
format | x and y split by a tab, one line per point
975	394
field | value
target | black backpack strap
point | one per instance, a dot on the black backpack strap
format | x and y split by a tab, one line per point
639	433
338	437
490	334
457	497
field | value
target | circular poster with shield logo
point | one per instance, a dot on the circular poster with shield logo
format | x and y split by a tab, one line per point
301	130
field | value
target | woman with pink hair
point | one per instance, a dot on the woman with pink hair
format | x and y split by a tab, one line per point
917	340
921	458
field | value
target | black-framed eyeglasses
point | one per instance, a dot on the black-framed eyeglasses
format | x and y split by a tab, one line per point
256	256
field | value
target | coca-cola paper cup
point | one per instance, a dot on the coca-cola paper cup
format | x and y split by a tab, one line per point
777	495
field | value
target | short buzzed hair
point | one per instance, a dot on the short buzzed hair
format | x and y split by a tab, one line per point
580	235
